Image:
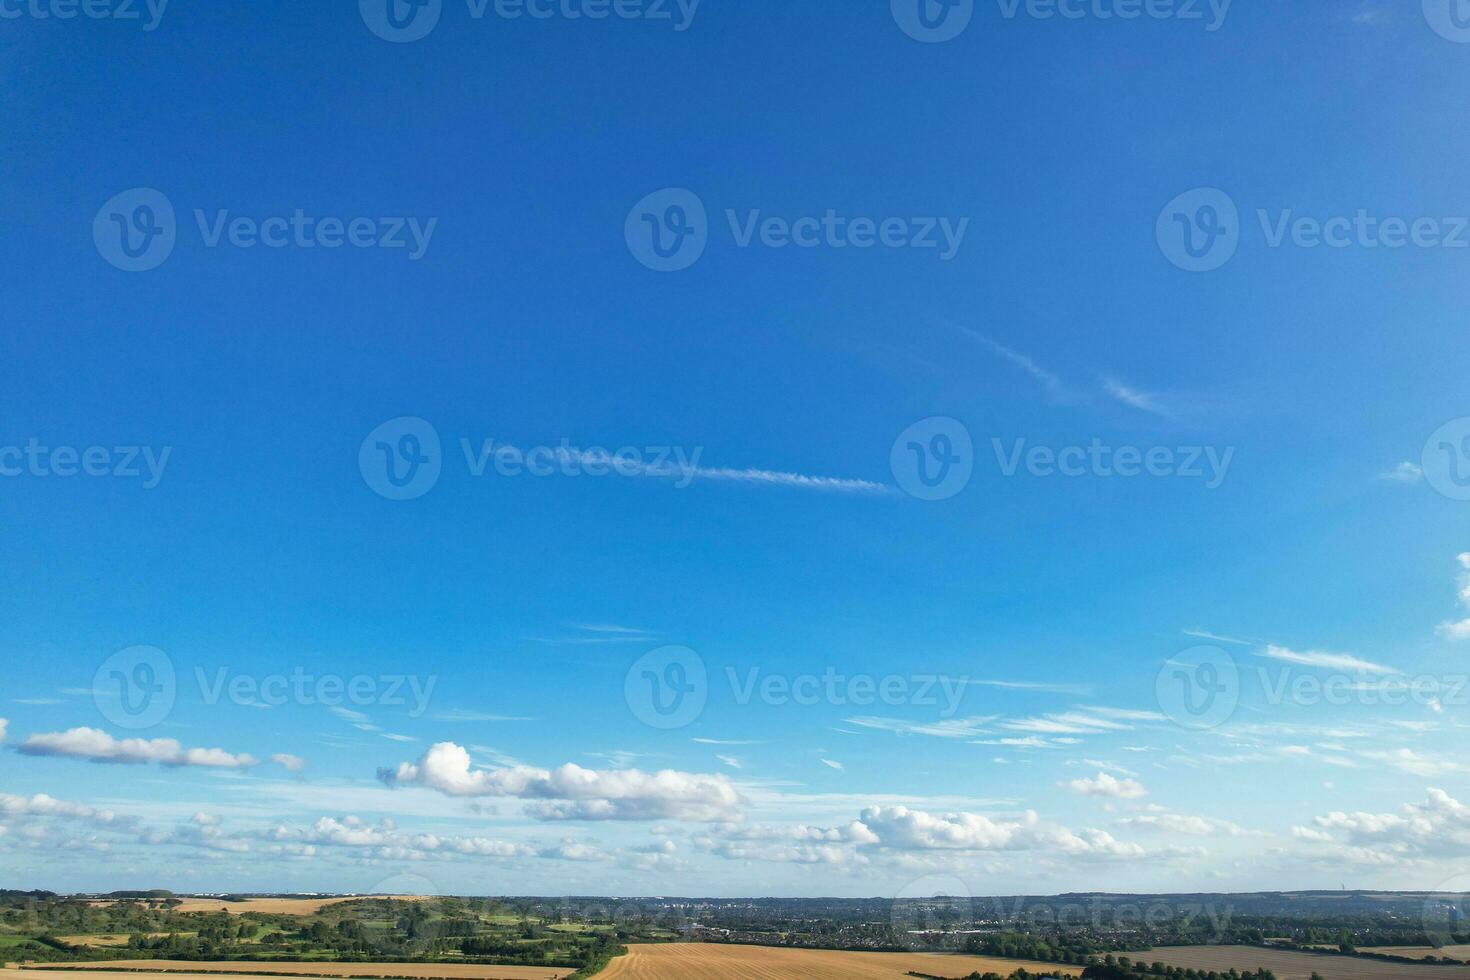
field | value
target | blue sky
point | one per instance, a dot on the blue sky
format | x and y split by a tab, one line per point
1322	543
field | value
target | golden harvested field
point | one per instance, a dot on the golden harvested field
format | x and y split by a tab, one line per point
190	969
1461	952
1288	965
715	961
116	939
421	971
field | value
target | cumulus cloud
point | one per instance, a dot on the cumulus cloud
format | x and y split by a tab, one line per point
292	763
1436	829
571	792
1109	786
903	828
1460	630
42	805
1185	824
98	746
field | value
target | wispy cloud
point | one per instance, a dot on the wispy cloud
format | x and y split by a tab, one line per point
1133	398
1330	661
1217	637
1073	689
948	728
1405	472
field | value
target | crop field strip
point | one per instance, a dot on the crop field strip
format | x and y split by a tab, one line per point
717	961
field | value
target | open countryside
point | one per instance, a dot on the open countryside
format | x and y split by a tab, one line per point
713	961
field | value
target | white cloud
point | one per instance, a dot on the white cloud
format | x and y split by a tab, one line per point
293	763
4	724
1331	661
98	746
1435	830
1186	824
1132	397
1405	472
1105	785
946	728
829	763
1460	630
41	805
571	792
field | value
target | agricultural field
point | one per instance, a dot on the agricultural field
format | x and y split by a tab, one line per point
1289	965
718	961
266	906
1461	952
173	969
417	971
